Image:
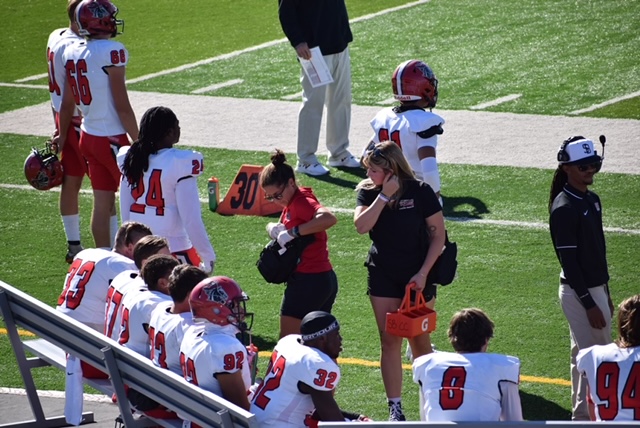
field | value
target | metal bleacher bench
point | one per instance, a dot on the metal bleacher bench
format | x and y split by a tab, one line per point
59	334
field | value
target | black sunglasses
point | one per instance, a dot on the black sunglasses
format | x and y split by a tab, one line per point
374	153
276	196
595	165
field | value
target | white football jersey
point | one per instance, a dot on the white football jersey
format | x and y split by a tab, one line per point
403	128
278	402
208	349
136	314
612	374
85	61
58	41
87	282
464	387
129	280
167	200
166	331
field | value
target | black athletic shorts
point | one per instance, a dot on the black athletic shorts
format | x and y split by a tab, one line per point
383	284
308	292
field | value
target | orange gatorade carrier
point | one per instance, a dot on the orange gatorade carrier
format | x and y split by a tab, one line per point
411	320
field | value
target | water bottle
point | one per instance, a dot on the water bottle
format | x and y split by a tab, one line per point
214	193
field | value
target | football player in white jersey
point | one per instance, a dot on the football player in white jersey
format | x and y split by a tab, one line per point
88	279
95	84
167	325
210	354
73	164
130	280
612	371
410	125
87	282
159	186
298	387
138	305
470	384
169	321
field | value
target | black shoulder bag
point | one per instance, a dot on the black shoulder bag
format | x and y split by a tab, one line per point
444	270
276	265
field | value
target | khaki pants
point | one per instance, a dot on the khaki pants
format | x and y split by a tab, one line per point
337	97
583	336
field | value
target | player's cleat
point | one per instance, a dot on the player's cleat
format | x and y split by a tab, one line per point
312	169
395	412
348	161
73	250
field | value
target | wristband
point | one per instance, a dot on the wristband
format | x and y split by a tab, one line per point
587	300
295	232
384	197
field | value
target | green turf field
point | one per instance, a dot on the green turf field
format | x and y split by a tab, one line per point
560	55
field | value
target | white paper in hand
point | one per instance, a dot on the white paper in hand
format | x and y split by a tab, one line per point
316	68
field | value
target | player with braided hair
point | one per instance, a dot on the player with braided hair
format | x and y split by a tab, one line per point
159	187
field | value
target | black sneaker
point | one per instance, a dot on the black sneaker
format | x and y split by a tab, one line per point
395	412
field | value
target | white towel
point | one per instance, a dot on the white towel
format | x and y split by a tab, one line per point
73	390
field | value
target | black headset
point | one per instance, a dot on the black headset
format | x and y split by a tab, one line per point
563	156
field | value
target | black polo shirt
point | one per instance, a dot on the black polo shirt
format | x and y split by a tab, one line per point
578	237
399	238
323	23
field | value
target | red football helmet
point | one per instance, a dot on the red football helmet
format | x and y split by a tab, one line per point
96	17
43	169
220	300
414	80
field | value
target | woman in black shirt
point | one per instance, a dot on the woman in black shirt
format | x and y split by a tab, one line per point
405	223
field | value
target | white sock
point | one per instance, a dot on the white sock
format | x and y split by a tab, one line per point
71	227
395	400
113	228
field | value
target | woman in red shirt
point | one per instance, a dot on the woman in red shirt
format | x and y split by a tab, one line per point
313	286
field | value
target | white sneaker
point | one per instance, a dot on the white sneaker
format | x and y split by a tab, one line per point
348	161
408	353
312	169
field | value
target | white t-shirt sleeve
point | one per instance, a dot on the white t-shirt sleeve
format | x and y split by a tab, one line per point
510	402
188	202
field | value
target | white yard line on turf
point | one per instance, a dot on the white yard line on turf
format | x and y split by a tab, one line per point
496	102
470	220
217	86
258	47
606	103
29	78
23	85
